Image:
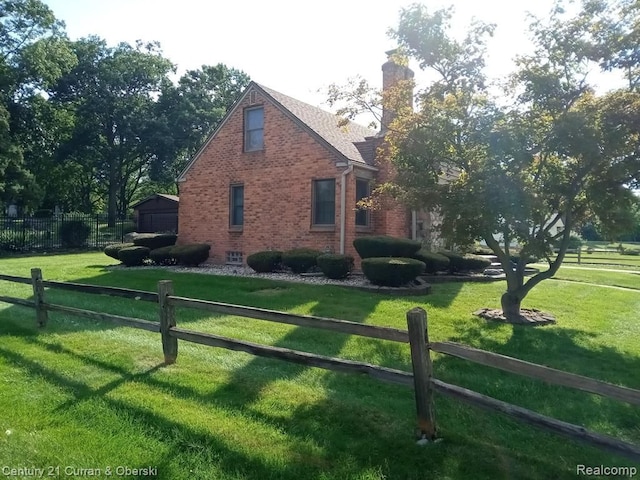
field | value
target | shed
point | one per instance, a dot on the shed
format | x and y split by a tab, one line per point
157	213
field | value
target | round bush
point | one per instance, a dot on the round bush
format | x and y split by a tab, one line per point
163	256
300	260
455	260
265	262
133	256
74	233
155	240
335	266
385	246
112	249
474	263
191	255
465	263
391	272
434	262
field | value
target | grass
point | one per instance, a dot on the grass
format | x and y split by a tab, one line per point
91	395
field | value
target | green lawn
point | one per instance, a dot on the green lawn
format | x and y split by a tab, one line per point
627	278
91	395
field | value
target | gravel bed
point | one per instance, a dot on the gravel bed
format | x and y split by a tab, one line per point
232	271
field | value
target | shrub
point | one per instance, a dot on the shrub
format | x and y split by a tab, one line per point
155	240
391	272
113	249
474	263
133	256
335	266
434	262
385	246
480	250
163	256
265	262
516	259
300	260
455	260
574	242
629	251
191	255
74	233
465	263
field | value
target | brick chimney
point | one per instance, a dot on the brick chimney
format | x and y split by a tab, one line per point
393	71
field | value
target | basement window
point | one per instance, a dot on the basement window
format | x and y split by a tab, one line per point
234	258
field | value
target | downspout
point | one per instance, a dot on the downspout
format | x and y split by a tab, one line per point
343	204
414	225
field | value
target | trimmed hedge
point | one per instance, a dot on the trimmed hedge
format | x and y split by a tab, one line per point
335	265
391	272
163	256
74	233
385	246
133	256
266	261
112	249
465	263
300	260
154	241
434	262
192	254
631	251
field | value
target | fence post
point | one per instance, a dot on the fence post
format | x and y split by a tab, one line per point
579	253
422	372
167	320
38	294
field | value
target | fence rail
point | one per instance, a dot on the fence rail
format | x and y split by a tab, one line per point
421	379
28	233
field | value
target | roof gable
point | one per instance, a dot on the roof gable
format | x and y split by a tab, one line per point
321	124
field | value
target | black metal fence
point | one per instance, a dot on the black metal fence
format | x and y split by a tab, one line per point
22	234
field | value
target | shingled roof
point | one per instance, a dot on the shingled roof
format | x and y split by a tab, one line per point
325	125
352	141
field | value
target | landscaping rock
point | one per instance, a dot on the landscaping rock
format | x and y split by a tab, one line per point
528	316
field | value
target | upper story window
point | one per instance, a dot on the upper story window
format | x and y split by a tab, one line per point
363	190
253	129
324	202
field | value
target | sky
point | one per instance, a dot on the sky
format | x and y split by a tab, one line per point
295	47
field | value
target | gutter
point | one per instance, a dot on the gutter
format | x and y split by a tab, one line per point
343	202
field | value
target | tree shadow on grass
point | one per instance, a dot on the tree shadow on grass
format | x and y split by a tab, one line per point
362	435
563	349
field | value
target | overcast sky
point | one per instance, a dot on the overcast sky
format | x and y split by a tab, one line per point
295	47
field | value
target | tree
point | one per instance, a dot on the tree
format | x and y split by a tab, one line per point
513	169
113	92
186	113
33	54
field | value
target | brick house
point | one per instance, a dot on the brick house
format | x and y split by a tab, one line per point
278	173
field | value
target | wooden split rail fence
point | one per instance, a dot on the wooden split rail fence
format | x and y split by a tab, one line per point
421	379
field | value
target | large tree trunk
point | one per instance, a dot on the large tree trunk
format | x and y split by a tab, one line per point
511	301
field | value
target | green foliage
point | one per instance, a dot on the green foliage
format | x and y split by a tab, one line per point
266	261
391	272
465	263
574	242
300	260
133	256
74	233
628	251
434	262
112	250
191	255
163	256
155	240
385	246
335	265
